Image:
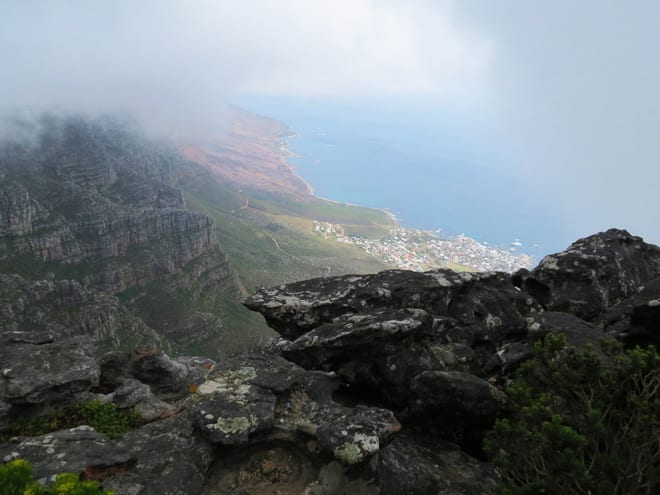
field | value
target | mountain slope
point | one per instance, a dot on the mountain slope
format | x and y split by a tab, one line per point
158	249
93	204
264	213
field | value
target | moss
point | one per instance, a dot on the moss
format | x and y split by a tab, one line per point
349	453
239	424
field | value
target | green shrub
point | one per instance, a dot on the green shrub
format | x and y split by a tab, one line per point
16	479
581	422
104	417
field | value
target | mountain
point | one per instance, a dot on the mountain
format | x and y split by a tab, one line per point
95	236
126	237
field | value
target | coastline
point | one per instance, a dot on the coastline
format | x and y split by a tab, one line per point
285	153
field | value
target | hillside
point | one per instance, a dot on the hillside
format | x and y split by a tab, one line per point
106	229
94	234
264	214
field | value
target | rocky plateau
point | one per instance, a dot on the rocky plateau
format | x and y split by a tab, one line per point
378	384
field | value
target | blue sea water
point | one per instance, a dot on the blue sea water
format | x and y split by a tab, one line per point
433	171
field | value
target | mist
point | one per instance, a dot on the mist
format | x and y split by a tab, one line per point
574	85
176	63
570	87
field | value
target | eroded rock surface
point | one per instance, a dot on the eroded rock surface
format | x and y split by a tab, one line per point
380	384
594	273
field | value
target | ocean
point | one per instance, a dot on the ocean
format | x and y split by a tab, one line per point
432	170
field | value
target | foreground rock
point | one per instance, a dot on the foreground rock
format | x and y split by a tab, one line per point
380	384
594	273
411	465
40	371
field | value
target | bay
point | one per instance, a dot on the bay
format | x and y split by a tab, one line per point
434	171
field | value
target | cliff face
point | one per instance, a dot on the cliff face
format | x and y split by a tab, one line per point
94	202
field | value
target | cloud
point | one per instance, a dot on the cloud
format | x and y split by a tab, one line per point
574	87
180	60
570	87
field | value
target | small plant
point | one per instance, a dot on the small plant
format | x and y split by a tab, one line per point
582	422
16	479
104	417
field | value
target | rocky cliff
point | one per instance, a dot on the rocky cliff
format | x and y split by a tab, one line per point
90	208
380	383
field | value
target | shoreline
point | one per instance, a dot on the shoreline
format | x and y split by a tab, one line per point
285	152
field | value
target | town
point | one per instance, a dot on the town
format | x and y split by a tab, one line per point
419	250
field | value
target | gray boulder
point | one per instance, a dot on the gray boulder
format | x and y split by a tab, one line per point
594	273
416	466
455	399
80	450
135	395
39	371
636	320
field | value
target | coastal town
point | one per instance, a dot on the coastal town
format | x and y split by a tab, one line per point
419	250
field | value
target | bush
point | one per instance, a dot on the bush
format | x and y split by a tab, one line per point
102	416
582	422
16	479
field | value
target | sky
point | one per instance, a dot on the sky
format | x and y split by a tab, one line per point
571	87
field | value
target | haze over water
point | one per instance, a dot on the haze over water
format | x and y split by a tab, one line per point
432	172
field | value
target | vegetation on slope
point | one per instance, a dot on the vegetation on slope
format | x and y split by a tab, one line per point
582	422
269	238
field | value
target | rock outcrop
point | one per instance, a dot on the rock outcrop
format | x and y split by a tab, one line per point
380	383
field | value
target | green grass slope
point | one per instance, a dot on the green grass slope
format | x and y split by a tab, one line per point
269	239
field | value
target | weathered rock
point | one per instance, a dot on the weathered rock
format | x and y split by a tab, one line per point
455	398
164	457
243	397
594	273
170	459
415	466
355	331
169	379
435	342
453	356
78	450
636	320
577	332
354	434
38	370
376	350
350	325
138	396
283	468
115	370
486	301
228	410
